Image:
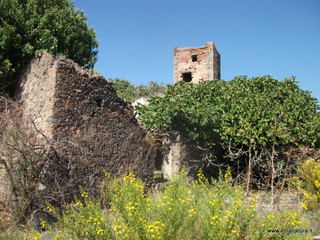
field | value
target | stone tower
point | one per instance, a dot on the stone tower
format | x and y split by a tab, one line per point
196	64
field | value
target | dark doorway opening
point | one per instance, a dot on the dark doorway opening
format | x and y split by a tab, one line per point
187	77
194	57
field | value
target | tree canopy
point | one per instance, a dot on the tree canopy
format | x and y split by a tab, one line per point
254	123
131	92
260	110
28	27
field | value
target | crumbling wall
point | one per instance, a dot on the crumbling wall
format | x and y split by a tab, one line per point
37	84
203	63
179	154
89	128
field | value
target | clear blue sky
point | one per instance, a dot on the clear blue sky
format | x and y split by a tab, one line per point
254	37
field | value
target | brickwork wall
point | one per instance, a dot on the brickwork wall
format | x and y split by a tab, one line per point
206	67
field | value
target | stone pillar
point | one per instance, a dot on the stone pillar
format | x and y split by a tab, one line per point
179	154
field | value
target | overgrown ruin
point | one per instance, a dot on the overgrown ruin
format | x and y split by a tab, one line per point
89	128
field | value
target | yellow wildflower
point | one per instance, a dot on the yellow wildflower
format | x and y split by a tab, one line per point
154	230
36	236
99	231
192	212
50	208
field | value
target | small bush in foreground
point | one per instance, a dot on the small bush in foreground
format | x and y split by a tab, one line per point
182	210
83	220
308	182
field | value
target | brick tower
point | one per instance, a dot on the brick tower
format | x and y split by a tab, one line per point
196	64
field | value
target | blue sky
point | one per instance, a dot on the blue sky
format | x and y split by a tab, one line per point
254	37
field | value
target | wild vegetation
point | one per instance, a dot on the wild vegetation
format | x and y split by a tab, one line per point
28	27
260	132
258	125
22	158
131	92
307	181
182	210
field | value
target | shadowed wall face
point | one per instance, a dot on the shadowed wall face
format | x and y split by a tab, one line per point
90	128
196	64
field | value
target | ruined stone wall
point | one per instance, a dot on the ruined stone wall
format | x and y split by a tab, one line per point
88	110
205	67
179	154
36	91
90	128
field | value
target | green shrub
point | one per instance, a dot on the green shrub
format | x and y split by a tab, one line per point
262	111
84	220
129	208
252	122
308	182
130	92
182	210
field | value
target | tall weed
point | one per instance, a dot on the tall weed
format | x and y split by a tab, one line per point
181	210
308	182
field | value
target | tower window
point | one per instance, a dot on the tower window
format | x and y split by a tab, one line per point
194	57
186	76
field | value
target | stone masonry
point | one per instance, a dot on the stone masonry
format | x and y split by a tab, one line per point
90	128
179	154
196	64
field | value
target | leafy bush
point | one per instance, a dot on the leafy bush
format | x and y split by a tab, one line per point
181	210
28	27
308	182
84	219
260	111
255	121
131	93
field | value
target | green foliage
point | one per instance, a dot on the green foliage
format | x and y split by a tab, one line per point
131	93
192	109
124	88
252	121
84	220
129	207
308	182
182	210
265	111
29	27
260	111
